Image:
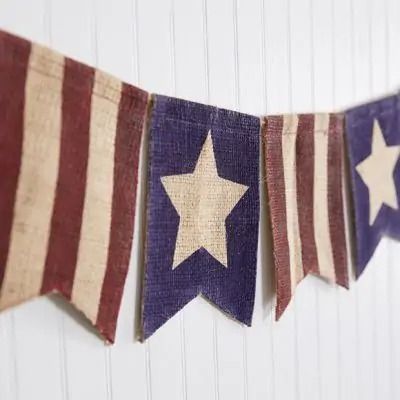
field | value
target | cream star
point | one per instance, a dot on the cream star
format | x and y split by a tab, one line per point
203	200
377	173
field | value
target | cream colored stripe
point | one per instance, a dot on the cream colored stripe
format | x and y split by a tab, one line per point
290	123
37	179
321	216
95	231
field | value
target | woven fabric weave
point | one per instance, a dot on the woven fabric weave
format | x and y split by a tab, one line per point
69	149
203	210
303	161
373	135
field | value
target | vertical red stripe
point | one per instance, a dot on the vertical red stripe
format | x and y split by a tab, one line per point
305	192
335	199
70	191
14	58
272	135
131	115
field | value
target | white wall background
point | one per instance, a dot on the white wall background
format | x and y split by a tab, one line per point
257	56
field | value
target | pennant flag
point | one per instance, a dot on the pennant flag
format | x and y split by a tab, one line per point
373	134
203	210
304	178
69	147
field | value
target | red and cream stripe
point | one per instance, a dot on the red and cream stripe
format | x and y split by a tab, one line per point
69	149
304	177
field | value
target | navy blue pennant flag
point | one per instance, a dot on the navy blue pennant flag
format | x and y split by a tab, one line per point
373	134
203	210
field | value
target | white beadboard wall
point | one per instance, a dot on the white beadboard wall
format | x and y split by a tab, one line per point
256	56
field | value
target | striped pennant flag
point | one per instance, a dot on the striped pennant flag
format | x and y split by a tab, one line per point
304	157
69	148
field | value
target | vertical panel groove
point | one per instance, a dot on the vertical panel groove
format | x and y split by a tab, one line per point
236	53
339	356
374	290
289	54
235	7
334	105
318	344
47	20
172	56
264	63
183	355
215	353
312	45
333	46
14	349
135	20
95	55
354	91
387	45
63	358
148	371
60	321
313	102
290	97
207	84
136	54
352	44
370	63
265	110
108	372
95	44
206	57
390	253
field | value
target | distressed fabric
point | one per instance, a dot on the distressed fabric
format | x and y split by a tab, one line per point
373	135
203	210
69	148
303	161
